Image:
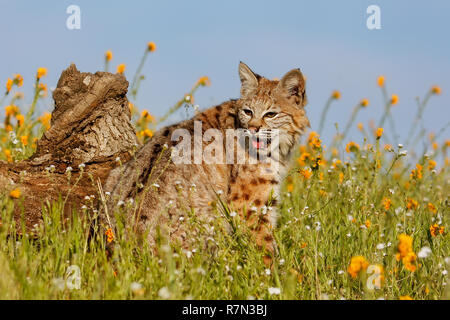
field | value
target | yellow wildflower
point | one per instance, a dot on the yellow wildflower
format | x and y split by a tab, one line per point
151	46
148	133
364	102
11	110
121	68
417	172
394	99
412	204
18	80
20	119
435	145
24	140
43	89
9	84
357	264
360	126
379	133
352	147
108	55
306	173
204	81
15	194
380	81
387	203
432	207
405	298
436	90
431	164
406	253
336	95
435	229
368	224
109	235
290	187
41	72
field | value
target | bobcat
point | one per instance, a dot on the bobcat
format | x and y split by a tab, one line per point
169	191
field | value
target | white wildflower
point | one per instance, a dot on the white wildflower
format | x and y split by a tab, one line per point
273	290
424	252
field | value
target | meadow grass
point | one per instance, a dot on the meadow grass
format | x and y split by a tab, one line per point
358	220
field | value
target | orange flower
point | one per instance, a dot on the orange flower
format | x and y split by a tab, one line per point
18	79
380	81
306	173
336	95
151	46
412	204
11	110
41	72
405	298
148	133
43	89
121	68
416	173
204	81
435	229
431	164
290	187
368	224
108	55
394	99
379	133
432	207
15	194
360	126
24	140
352	147
109	235
364	102
357	264
9	84
406	253
436	89
387	203
20	119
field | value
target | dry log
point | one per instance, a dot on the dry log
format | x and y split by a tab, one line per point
90	126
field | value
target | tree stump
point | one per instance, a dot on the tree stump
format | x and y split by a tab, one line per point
90	128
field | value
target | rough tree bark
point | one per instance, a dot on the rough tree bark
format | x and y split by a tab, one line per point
90	125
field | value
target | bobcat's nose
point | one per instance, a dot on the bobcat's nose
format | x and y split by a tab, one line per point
254	129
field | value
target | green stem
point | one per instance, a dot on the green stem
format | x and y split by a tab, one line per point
133	88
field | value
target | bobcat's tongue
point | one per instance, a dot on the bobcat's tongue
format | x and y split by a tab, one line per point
257	144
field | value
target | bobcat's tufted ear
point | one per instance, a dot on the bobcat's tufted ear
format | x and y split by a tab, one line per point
292	86
249	81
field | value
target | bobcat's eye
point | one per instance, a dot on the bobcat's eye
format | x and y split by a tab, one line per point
270	114
248	112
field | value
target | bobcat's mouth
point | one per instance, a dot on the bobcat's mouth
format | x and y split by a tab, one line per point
259	140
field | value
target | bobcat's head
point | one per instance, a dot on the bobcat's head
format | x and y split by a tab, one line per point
267	105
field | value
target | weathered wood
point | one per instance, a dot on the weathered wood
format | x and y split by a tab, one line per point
91	126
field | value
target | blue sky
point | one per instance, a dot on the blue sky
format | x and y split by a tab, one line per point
328	40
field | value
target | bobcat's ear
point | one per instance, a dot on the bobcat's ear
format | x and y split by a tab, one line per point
292	86
249	81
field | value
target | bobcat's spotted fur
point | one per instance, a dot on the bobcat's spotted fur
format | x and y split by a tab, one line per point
169	191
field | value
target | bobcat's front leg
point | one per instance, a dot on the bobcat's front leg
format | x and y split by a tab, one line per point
252	196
